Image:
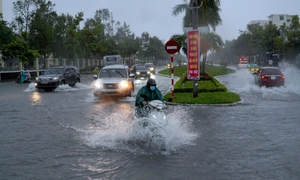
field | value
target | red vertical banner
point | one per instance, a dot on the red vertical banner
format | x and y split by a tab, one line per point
193	52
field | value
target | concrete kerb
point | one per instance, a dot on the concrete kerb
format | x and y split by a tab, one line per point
186	104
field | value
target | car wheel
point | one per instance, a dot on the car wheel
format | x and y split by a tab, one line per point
132	86
62	82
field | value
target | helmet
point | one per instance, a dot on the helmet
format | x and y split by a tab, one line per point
151	82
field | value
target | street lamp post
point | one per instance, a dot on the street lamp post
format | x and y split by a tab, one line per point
195	8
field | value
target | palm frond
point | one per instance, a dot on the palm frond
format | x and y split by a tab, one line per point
179	8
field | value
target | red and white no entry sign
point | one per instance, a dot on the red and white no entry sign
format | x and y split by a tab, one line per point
172	47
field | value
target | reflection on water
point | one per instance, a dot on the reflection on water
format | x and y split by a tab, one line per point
36	98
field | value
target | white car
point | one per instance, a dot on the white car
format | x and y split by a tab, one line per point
113	80
242	65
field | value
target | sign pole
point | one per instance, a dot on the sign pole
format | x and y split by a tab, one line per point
172	75
172	47
195	26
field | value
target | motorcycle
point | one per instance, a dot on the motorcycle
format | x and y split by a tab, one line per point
153	120
18	81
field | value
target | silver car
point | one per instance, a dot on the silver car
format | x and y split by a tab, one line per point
113	80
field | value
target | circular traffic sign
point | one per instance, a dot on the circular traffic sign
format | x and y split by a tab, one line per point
172	47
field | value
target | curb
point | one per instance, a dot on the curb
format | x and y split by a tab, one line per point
223	105
186	104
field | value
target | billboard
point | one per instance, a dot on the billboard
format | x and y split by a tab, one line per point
193	52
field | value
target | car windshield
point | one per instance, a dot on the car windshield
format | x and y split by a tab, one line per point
54	71
107	73
140	68
252	65
149	65
111	59
271	71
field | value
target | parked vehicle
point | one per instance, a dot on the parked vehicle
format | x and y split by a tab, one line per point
150	67
57	75
269	76
113	80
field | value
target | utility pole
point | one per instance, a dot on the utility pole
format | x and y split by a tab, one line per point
195	26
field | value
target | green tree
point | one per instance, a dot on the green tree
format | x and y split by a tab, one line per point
209	42
208	13
20	50
41	34
6	33
23	11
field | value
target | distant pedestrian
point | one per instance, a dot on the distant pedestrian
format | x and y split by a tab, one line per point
96	70
28	76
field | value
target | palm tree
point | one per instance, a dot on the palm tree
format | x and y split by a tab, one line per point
208	14
209	42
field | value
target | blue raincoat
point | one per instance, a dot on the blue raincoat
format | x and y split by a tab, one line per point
23	77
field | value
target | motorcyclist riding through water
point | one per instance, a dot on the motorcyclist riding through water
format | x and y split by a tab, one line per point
147	93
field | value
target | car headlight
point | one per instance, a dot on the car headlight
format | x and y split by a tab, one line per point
55	78
151	69
98	84
123	84
138	73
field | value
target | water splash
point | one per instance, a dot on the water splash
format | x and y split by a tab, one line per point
78	86
30	88
243	82
120	131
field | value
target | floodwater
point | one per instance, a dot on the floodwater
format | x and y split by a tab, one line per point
70	134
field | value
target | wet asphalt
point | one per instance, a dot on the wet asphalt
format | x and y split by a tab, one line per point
70	134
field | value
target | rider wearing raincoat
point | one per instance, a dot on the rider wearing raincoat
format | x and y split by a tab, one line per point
151	92
23	76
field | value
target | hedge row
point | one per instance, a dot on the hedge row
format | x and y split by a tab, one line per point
210	84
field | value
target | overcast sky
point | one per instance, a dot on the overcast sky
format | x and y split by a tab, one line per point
155	16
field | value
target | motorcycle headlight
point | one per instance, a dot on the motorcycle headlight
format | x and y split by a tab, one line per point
123	84
151	69
98	84
37	78
55	78
138	73
148	72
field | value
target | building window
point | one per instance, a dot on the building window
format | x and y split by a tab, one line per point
281	18
288	20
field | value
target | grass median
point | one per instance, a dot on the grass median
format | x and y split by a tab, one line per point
210	90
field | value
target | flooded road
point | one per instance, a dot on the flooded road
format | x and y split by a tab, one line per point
70	134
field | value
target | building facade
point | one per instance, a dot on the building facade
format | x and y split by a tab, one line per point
260	22
277	19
